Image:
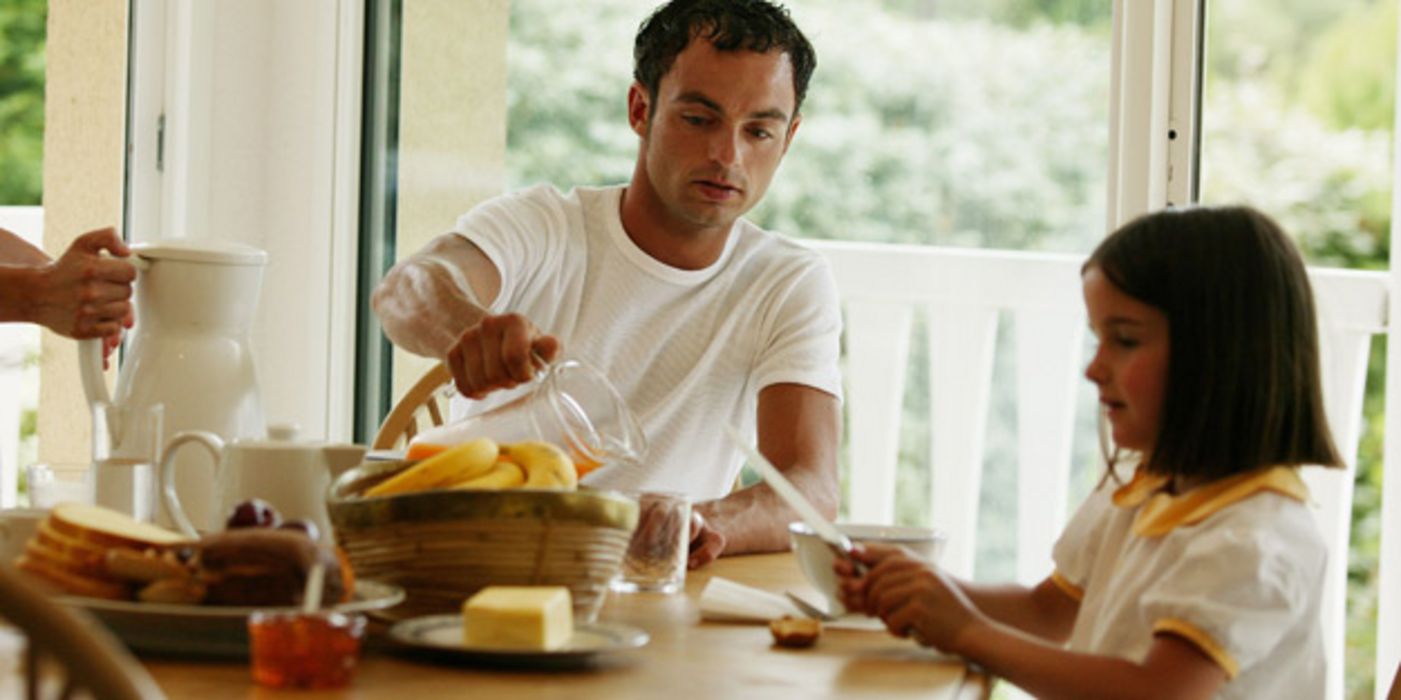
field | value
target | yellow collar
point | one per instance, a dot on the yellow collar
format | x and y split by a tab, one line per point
1161	511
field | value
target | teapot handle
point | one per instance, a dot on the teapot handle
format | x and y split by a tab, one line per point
169	497
90	369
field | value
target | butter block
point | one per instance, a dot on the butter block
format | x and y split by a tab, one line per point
536	618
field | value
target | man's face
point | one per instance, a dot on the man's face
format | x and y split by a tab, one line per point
720	125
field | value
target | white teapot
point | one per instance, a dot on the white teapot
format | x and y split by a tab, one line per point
291	476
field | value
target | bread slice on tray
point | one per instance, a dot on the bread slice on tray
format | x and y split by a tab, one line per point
74	547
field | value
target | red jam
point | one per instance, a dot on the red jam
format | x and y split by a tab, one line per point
304	650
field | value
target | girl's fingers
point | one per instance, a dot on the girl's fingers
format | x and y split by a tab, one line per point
909	621
896	591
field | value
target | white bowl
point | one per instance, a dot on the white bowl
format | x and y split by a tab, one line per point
815	557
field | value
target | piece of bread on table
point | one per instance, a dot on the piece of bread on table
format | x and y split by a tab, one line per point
795	632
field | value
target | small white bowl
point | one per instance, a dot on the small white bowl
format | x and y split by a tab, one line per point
815	557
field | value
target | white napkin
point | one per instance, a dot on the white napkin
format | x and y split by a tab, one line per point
724	600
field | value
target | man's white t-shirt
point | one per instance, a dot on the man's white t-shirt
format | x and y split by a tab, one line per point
689	350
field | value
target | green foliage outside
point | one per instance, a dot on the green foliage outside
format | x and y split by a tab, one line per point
22	100
982	123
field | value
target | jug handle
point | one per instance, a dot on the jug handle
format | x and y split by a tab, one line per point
90	368
208	441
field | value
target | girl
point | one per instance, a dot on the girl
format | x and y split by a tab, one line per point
1195	569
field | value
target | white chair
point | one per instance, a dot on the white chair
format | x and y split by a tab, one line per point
419	403
964	294
88	658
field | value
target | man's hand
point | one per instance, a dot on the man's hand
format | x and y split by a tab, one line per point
706	542
82	294
498	352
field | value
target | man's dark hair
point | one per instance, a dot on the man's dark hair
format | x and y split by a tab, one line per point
1243	388
730	25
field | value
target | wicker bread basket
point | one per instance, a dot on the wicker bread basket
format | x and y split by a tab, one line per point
443	546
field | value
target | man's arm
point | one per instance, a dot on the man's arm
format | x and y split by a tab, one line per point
799	428
428	305
427	300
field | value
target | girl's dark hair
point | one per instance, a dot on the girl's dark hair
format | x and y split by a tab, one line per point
1243	386
731	25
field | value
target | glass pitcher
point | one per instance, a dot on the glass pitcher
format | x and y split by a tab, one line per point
570	404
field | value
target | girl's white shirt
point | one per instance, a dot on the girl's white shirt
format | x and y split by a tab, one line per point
1241	580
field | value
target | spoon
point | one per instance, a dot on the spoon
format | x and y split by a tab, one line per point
311	596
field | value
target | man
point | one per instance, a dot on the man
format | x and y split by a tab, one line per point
80	295
697	316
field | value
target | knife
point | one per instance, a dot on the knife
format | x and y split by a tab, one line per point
795	500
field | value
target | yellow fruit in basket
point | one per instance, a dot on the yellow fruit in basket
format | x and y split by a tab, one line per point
424	450
502	475
466	461
545	465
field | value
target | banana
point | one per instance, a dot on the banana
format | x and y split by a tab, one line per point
461	463
502	475
546	466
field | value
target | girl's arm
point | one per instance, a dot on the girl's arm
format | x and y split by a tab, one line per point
915	599
1045	610
1174	667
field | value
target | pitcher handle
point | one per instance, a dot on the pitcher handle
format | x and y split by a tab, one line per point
169	497
90	369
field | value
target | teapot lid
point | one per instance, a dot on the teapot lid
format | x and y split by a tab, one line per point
201	250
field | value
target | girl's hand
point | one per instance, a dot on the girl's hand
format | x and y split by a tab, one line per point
916	599
910	595
851	587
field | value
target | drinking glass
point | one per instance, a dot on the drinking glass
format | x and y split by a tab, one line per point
52	483
125	446
656	556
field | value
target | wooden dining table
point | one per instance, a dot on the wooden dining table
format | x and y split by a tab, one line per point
685	657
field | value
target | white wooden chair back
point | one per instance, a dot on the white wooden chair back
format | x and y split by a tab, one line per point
963	294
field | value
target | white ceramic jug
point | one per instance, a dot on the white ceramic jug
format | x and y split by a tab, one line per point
190	352
291	476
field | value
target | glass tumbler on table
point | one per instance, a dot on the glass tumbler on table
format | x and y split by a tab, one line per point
657	554
51	483
125	445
